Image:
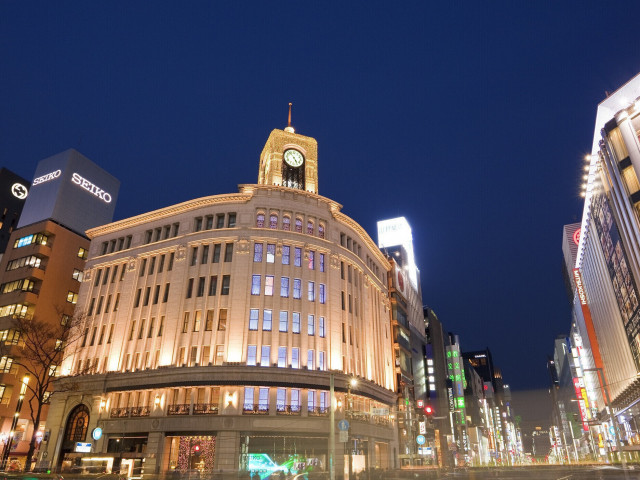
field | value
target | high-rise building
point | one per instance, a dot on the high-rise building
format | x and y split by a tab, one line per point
606	305
13	193
214	337
41	272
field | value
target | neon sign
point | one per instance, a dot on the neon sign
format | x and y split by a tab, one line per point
19	191
91	188
576	236
47	177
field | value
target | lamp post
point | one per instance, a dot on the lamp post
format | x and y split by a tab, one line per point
14	423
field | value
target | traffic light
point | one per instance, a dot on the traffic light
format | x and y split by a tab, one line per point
428	410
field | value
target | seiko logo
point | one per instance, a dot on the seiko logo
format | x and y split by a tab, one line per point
47	177
90	187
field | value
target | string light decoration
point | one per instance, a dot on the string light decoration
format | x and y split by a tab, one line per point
188	445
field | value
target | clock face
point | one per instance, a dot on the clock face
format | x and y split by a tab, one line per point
293	158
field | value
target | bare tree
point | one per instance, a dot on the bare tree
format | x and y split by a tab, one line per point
39	347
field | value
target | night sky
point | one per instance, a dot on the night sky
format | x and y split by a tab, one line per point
470	119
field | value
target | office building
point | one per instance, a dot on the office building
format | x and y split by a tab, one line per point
13	193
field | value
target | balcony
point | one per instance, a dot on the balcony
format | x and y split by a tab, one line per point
140	411
205	409
120	412
318	411
179	409
358	416
288	409
250	409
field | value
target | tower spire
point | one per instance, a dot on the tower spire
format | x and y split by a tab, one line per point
289	128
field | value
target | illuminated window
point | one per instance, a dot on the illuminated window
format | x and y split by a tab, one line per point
297	288
297	257
222	319
321	327
82	253
251	355
226	282
77	275
282	357
263	399
197	320
321	261
208	324
285	254
311	361
295	357
255	285
248	399
5	364
311	292
265	355
284	287
286	224
312	260
321	231
37	238
268	285
321	293
310	228
295	322
273	222
284	321
266	320
260	220
72	297
257	252
298	225
253	319
321	361
311	325
271	252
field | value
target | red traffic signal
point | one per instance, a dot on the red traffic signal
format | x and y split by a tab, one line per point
428	410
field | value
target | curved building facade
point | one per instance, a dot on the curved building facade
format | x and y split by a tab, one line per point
212	330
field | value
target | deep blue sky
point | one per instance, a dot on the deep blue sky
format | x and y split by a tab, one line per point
469	118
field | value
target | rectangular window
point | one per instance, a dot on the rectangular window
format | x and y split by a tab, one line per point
208	222
147	293
77	275
311	325
248	399
282	357
263	399
133	330
198	224
220	220
98	276
321	327
115	274
253	319
271	252
205	255
171	258
295	322
197	320
321	363
93	336
255	285
91	303
285	254
231	220
208	326
110	333
151	325
266	320
284	287
201	284
99	309
216	253
156	295
297	257
226	282
251	355
194	256
295	400
312	291
185	322
321	261
297	288
281	400
122	272
161	264
161	326
189	288
312	260
228	252
321	293
165	295
219	355
284	321
143	267
324	401
265	356
311	401
268	285
141	331
311	360
222	319
257	252
213	284
106	307
295	357
152	265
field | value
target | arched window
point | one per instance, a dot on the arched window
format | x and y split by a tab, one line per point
286	224
273	222
298	225
260	220
310	228
321	230
77	424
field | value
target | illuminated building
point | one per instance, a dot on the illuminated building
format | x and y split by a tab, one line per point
13	194
606	304
408	336
42	269
212	338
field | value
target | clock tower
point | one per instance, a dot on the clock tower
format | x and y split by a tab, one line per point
289	160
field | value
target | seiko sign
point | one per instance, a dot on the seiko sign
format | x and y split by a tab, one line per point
579	286
46	177
90	187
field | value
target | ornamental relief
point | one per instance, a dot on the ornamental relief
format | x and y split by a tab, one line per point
335	260
181	252
132	264
242	245
87	275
